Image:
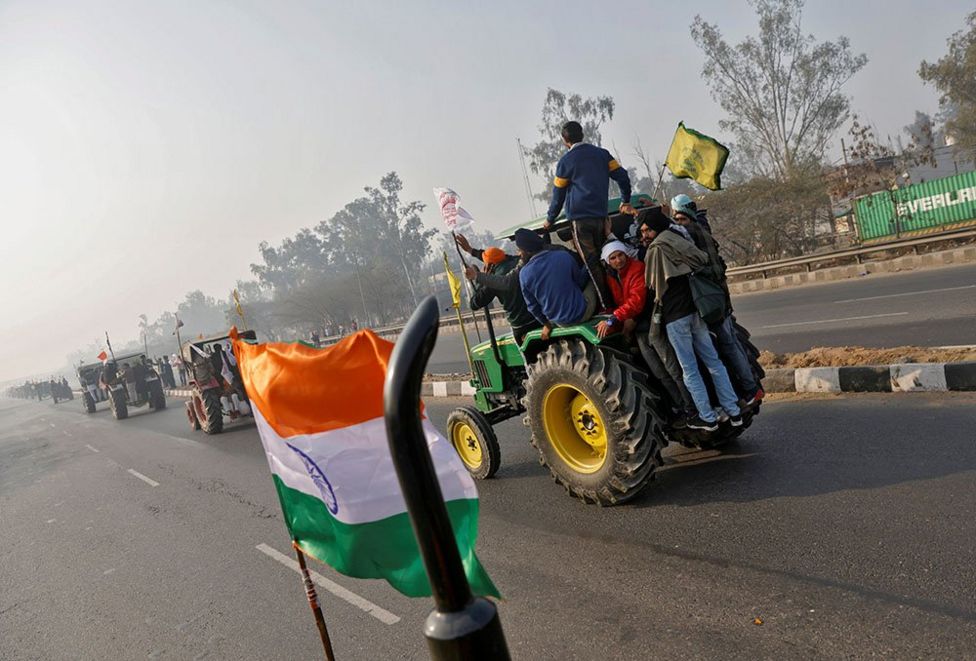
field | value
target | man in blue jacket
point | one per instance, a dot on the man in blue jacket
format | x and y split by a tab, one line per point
557	290
582	183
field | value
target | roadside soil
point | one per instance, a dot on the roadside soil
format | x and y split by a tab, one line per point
853	356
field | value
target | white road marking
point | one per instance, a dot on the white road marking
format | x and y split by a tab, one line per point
149	481
831	321
905	293
91	448
384	616
52	425
65	432
51	520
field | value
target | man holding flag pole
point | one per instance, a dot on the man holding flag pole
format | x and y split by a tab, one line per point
456	218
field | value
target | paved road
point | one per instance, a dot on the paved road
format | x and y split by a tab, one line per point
934	307
846	524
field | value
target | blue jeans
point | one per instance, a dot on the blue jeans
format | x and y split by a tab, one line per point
732	352
689	337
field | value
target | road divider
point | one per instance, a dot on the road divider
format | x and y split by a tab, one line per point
363	604
902	377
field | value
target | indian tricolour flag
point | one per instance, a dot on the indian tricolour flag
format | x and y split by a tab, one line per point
320	416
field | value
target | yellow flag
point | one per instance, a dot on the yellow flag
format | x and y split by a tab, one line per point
455	284
696	156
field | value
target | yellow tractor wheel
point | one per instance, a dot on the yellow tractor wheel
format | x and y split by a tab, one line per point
593	421
474	440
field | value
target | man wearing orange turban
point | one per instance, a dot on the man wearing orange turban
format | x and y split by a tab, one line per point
500	280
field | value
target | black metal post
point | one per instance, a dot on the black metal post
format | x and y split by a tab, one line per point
461	626
491	335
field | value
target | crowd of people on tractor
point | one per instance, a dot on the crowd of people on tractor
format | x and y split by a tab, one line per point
658	278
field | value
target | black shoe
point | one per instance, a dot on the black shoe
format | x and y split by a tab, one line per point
695	422
735	420
752	401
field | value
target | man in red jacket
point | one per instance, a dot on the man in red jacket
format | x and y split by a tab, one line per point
626	283
625	277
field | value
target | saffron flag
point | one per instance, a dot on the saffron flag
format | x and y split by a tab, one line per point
102	356
454	283
455	216
327	449
696	156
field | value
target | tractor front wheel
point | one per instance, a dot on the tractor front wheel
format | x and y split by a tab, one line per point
475	441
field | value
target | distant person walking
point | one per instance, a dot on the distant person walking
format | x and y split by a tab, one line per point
582	183
177	365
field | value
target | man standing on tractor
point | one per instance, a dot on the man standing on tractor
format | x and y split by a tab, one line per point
582	183
671	258
556	289
500	280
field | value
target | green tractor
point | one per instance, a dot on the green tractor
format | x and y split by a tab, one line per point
597	416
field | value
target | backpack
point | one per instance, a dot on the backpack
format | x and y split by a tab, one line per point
709	296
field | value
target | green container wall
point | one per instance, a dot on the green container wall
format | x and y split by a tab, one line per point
926	206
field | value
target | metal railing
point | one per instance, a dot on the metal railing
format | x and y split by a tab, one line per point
735	274
764	269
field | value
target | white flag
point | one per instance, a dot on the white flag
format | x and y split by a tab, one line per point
455	217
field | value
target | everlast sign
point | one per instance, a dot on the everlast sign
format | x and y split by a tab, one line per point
937	201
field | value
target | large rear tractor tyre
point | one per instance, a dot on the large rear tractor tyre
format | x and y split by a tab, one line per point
89	402
116	402
157	398
593	422
475	442
209	411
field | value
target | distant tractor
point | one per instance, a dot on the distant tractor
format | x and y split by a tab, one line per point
144	387
597	416
214	396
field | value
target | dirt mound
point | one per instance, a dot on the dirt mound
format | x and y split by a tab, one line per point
852	356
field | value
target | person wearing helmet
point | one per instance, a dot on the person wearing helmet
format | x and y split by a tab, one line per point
685	205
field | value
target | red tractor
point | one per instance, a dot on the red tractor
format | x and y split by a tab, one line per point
216	385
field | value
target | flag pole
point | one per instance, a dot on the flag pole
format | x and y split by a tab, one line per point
660	181
240	310
457	308
313	602
109	343
467	287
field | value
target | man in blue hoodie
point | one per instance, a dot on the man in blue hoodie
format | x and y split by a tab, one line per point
557	290
582	183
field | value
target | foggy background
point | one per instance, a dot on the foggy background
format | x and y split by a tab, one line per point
146	149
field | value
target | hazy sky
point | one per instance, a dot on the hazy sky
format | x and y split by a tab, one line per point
146	148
